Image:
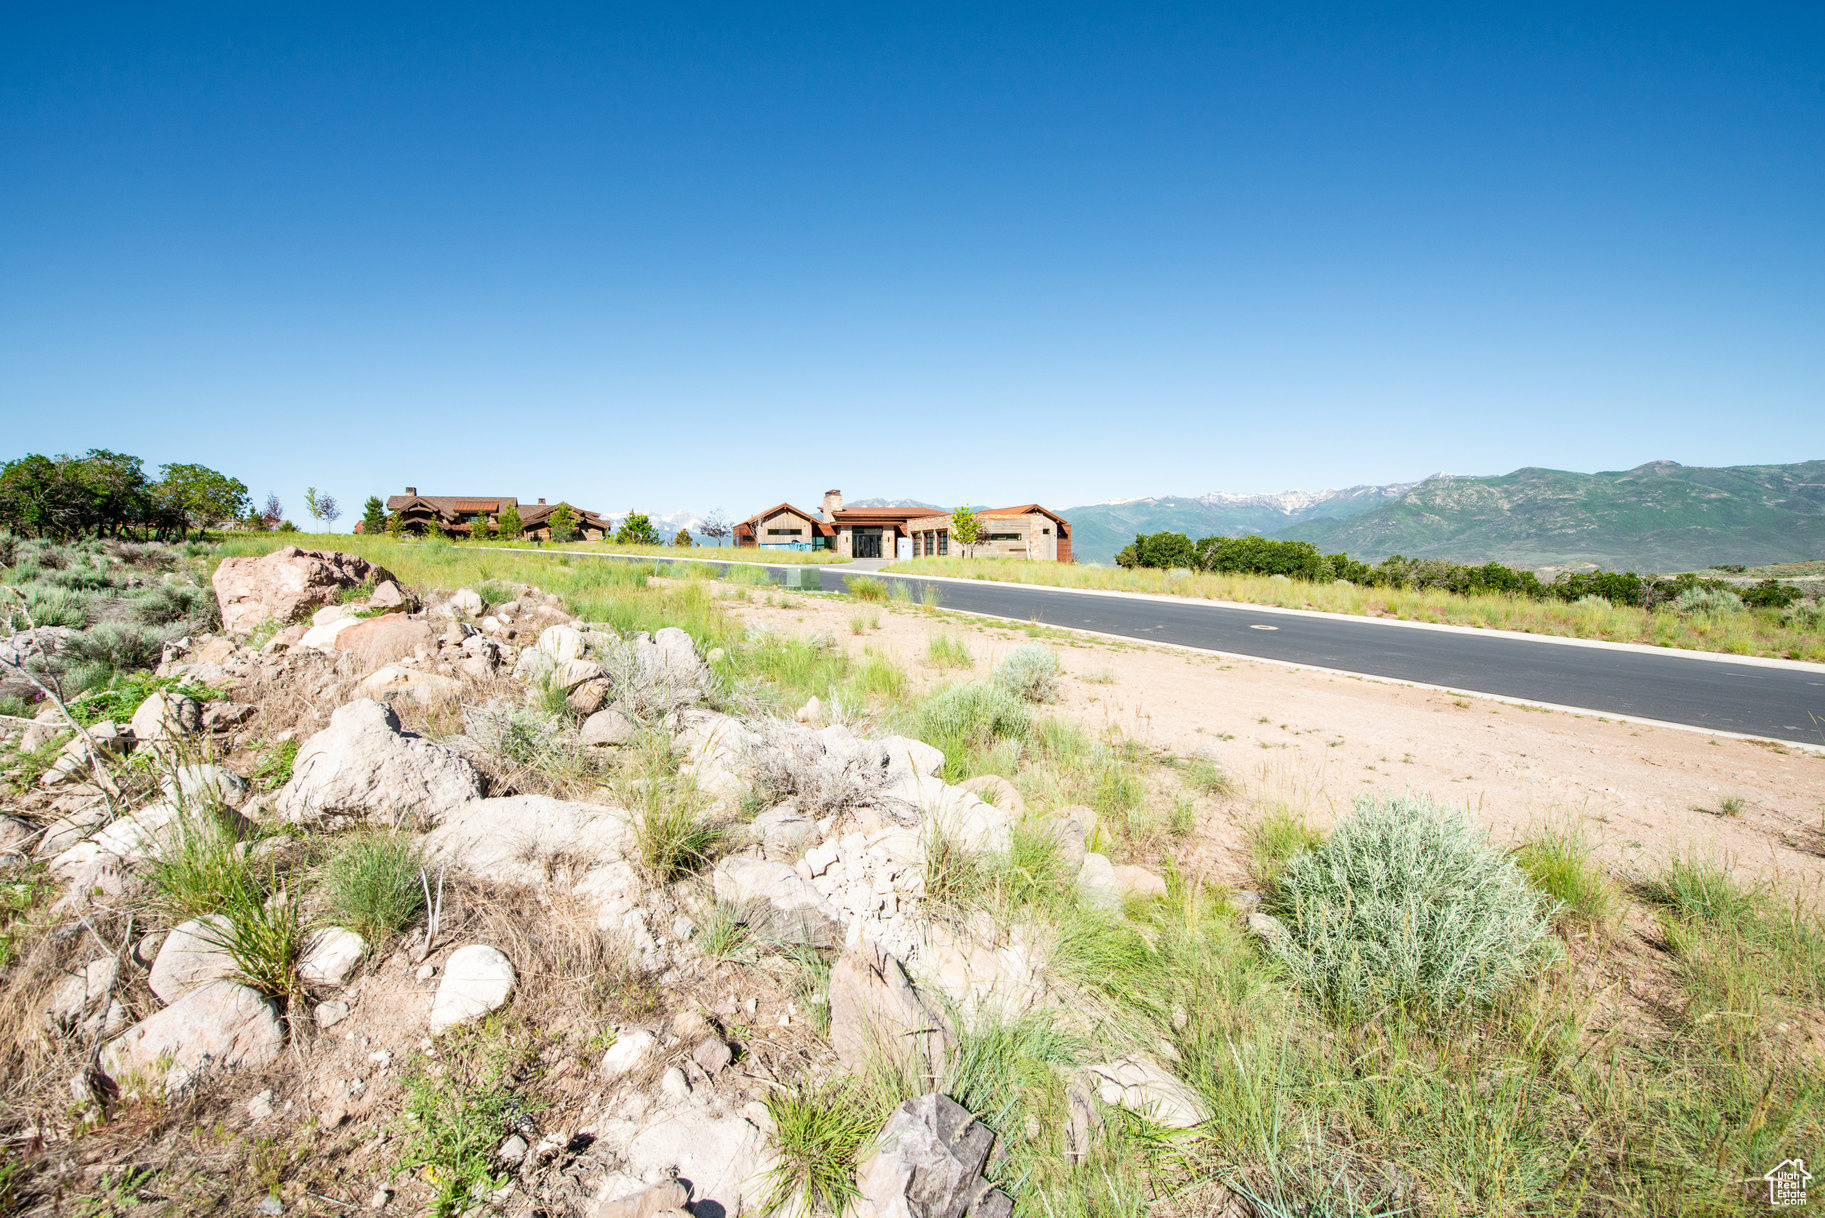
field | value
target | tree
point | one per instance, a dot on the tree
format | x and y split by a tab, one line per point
373	517
637	530
323	507
273	514
199	497
716	526
966	529
683	538
396	525
563	522
508	523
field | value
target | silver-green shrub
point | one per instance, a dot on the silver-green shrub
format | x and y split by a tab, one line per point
1030	672
1707	601
1408	904
1804	615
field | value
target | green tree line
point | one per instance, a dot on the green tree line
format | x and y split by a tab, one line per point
109	494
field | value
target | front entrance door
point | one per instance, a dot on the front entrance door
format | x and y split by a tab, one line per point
867	543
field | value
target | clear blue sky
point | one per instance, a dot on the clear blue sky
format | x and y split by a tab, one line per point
687	257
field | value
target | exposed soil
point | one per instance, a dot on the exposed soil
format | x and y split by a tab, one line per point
1312	741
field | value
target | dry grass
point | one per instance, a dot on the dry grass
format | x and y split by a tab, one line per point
1743	633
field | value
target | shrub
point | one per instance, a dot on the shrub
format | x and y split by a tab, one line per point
1158	550
1770	594
1806	615
118	646
457	1115
1407	904
53	606
1278	836
1030	672
1259	556
373	883
1206	776
972	715
168	603
866	587
1707	601
199	868
520	735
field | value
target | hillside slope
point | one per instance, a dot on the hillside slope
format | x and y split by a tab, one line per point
1098	530
1658	516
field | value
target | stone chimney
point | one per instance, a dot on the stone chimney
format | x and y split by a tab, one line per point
411	490
541	501
833	503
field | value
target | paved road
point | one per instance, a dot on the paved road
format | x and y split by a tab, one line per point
1758	700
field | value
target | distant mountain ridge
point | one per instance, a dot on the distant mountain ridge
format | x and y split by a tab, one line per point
1099	530
1659	516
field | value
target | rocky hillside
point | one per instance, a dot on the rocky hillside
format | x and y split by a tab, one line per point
1656	517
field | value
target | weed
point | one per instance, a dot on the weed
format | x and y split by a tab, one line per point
264	936
944	651
722	933
866	587
1206	776
956	877
1557	860
1407	904
862	623
272	768
371	884
200	868
818	1134
1276	837
455	1120
1030	672
1099	676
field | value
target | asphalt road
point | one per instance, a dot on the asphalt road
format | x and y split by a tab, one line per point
1757	700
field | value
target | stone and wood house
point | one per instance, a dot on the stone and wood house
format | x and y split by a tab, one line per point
1027	531
458	515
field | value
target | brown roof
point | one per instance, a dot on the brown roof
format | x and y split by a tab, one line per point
818	524
450	503
894	514
477	505
537	514
1025	509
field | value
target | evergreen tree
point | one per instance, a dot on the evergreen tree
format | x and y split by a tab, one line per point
373	517
508	524
637	530
563	523
683	538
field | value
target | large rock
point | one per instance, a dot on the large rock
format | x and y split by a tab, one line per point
322	637
526	839
363	765
725	1159
608	728
79	997
381	640
775	901
1097	880
477	980
877	1012
994	789
191	957
285	584
469	601
1142	1087
220	1026
928	1163
395	683
166	715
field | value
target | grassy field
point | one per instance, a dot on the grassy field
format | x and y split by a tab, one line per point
1746	633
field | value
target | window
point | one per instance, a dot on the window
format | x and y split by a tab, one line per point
785	532
1004	536
944	541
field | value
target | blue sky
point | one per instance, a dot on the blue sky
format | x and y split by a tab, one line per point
686	257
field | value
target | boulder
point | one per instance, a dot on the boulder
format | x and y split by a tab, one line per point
30	651
477	980
330	613
164	715
323	638
660	1199
283	585
394	683
775	901
784	832
877	1012
1142	1087
381	640
329	956
15	835
588	698
1096	878
81	997
363	765
560	643
1138	881
46	726
607	728
928	1163
205	783
190	958
216	1027
724	1158
523	839
994	789
388	595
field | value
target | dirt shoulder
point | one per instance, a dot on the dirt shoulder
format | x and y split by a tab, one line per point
1313	741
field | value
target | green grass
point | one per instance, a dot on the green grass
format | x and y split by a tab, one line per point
1277	836
947	651
1556	859
866	587
200	868
372	883
1207	777
272	768
454	1118
818	1134
674	834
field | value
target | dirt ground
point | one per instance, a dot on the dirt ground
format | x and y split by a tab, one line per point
1312	741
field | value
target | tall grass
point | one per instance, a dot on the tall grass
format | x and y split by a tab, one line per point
371	883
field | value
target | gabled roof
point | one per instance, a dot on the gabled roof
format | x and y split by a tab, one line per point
536	515
818	524
1025	509
442	504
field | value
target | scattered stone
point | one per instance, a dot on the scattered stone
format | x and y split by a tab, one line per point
282	585
588	698
364	765
78	997
607	728
191	957
469	601
724	1158
1138	881
477	980
166	715
218	1026
775	901
270	1205
929	1161
661	1199
210	783
877	1012
395	683
260	1106
426	972
329	1014
1144	1088
381	640
784	832
379	1200
994	789
1096	878
713	1055
388	595
329	956
512	1151
15	835
674	1086
628	1053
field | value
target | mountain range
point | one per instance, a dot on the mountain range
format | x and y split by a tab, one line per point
1660	516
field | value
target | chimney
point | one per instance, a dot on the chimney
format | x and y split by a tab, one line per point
833	503
541	501
411	490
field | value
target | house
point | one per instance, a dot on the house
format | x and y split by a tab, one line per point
457	515
1027	531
